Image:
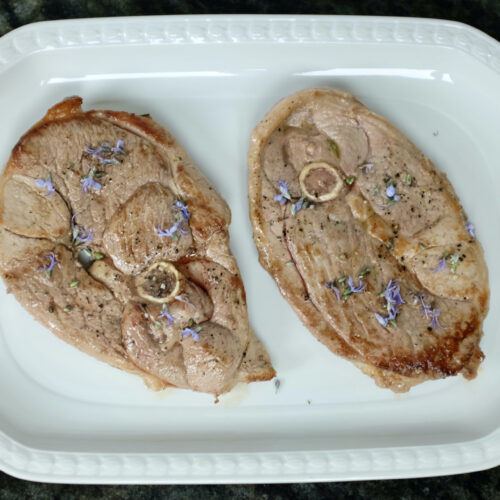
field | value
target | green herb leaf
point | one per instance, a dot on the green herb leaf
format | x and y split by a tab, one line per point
191	322
454	262
364	272
390	245
334	148
390	182
68	308
409	179
341	280
375	191
98	256
289	264
197	329
393	322
158	324
342	256
74	283
350	180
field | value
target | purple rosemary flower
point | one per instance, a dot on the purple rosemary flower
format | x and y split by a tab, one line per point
171	233
359	289
425	309
392	295
284	195
165	314
181	229
118	149
89	183
470	227
334	289
441	266
192	332
429	313
391	193
47	183
52	262
80	235
182	207
434	319
184	298
92	151
297	206
381	319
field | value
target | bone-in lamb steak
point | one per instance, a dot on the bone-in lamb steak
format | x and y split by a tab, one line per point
159	294
367	240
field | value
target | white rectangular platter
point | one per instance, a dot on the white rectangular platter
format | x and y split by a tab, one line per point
65	417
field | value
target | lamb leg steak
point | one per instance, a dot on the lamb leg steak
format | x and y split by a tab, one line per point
366	240
112	239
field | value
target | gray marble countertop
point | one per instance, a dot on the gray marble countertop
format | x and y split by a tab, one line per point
483	14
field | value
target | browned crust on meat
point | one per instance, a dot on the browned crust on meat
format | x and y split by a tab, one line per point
399	373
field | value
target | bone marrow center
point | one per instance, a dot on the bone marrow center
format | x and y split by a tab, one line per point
160	283
320	181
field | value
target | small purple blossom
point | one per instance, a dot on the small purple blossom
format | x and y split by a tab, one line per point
47	183
168	232
182	207
165	314
334	289
359	289
284	195
184	298
429	313
441	266
119	147
391	193
52	262
192	332
434	319
383	321
392	295
80	235
89	183
471	228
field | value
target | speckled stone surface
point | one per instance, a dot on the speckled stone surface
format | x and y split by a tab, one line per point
483	14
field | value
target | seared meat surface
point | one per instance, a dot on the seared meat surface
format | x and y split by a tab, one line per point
367	240
113	240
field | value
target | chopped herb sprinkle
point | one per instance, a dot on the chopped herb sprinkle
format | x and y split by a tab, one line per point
364	272
346	290
68	308
409	179
454	262
334	147
350	180
98	256
74	283
158	324
47	183
106	154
